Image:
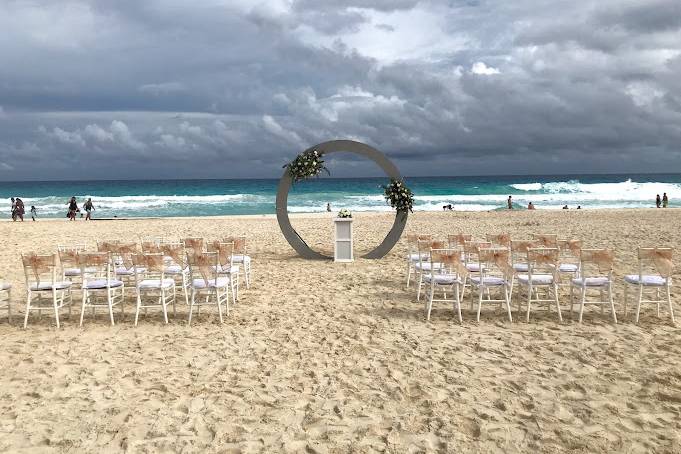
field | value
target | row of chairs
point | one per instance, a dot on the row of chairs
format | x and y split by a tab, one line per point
206	273
540	265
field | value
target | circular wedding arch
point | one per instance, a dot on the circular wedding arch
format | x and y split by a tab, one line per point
326	148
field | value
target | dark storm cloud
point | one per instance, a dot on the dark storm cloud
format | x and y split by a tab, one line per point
133	89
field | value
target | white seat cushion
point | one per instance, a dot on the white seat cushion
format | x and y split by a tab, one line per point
212	283
48	286
537	279
174	269
426	266
234	269
488	280
238	258
415	256
76	271
521	267
650	280
568	268
474	267
101	283
442	279
591	281
156	283
71	271
5	286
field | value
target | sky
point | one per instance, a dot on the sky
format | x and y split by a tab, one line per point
237	88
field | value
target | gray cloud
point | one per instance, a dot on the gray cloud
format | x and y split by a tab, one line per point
216	89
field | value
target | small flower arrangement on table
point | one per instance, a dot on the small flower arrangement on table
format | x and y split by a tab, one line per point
344	213
399	196
306	165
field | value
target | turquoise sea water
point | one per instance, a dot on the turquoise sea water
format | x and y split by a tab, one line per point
257	196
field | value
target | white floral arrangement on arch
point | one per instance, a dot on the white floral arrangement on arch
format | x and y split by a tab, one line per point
344	213
399	196
306	165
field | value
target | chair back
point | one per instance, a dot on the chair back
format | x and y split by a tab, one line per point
458	240
471	250
225	252
658	258
570	248
549	240
68	256
203	265
193	245
448	261
499	240
543	261
149	265
123	252
423	248
39	268
239	243
95	265
413	239
176	252
596	261
107	246
495	262
151	247
519	250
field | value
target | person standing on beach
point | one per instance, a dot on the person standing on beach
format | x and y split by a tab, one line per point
88	208
658	201
34	212
328	207
665	200
73	208
19	209
14	208
510	203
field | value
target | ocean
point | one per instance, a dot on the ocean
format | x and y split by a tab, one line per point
164	198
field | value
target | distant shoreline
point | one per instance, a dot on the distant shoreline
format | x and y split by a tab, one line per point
332	214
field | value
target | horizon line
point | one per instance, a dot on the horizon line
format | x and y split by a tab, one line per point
346	178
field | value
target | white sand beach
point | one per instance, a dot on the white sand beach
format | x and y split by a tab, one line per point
324	357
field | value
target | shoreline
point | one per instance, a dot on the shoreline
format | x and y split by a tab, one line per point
332	214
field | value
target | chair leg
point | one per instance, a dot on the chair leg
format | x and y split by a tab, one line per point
429	303
82	306
555	295
139	305
457	301
56	309
572	298
109	298
219	302
408	272
612	304
420	283
164	306
480	292
28	308
669	301
638	304
191	307
581	308
507	297
529	302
